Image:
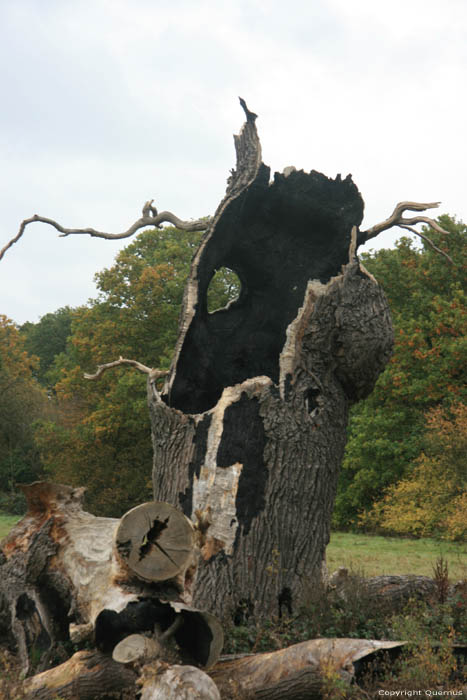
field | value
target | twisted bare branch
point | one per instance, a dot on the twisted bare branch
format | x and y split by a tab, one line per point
429	241
397	219
151	217
154	374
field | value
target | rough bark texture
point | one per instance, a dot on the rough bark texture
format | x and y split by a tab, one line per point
85	676
250	428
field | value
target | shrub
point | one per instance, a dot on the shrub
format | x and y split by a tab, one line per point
431	500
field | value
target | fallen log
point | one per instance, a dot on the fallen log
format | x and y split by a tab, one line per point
92	675
68	575
301	671
85	676
391	589
297	672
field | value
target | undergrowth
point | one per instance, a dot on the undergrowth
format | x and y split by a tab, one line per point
432	629
10	677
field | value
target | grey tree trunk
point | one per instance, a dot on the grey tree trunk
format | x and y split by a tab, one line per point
250	428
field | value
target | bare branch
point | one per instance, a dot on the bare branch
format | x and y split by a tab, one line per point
154	374
353	244
397	219
429	241
151	217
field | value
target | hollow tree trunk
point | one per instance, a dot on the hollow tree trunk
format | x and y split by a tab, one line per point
250	428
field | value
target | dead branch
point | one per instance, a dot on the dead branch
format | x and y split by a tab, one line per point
397	219
151	217
429	241
154	374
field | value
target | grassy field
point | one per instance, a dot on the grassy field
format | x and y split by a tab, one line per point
373	555
6	523
370	554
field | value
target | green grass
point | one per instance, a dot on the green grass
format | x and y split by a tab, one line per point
374	555
6	523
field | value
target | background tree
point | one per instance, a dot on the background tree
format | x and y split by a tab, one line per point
431	499
47	339
22	401
427	298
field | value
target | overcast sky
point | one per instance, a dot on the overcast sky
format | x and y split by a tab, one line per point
107	103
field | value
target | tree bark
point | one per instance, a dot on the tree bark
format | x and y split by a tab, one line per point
85	676
250	428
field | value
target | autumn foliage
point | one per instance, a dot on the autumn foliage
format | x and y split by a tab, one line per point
427	371
22	400
431	500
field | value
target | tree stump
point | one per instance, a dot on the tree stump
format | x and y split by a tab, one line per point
250	428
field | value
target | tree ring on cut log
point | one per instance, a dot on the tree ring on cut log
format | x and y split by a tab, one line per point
155	541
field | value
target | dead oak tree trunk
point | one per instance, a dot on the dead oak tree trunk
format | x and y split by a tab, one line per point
250	428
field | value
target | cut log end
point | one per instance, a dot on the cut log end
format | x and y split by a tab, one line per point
156	541
176	683
136	649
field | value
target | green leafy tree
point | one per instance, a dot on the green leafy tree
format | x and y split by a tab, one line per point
102	438
22	401
427	296
47	339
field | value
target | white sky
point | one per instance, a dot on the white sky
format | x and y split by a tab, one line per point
108	103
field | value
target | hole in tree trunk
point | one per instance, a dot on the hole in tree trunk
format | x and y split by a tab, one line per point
25	607
285	600
224	289
194	638
311	401
243	612
36	636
